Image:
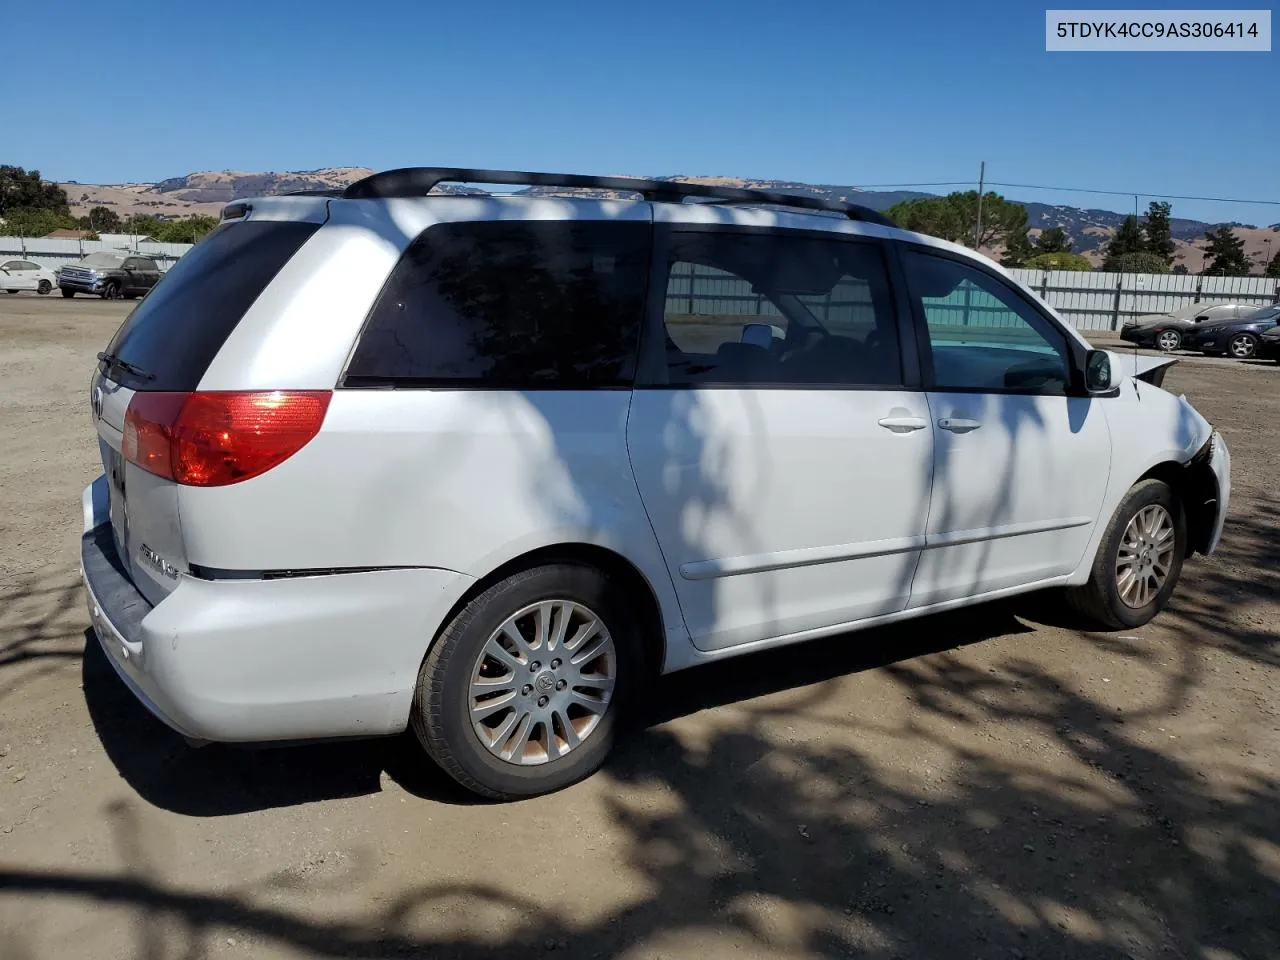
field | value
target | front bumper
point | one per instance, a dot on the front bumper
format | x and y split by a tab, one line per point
1220	464
81	286
266	660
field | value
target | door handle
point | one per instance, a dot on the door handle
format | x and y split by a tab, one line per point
903	424
959	424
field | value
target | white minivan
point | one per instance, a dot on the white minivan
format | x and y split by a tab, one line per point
484	465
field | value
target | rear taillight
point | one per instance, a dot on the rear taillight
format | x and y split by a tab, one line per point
216	438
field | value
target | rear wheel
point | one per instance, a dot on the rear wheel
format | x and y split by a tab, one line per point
521	692
1243	346
111	291
1139	559
1168	340
44	288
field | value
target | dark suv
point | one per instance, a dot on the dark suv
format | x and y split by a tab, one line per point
110	276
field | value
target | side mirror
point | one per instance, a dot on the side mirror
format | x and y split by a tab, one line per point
1102	371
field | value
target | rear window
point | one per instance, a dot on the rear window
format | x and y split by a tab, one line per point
537	304
176	331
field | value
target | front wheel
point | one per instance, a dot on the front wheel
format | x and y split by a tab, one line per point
1168	340
1243	346
111	291
1139	559
67	294
521	692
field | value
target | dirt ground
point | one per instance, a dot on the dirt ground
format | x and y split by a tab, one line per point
984	785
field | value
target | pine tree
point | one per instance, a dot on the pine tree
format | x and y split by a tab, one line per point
1159	232
1053	240
1226	253
1017	250
1128	239
1273	268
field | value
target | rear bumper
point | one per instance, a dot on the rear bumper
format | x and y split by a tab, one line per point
268	660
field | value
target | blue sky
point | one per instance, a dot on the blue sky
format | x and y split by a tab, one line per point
840	92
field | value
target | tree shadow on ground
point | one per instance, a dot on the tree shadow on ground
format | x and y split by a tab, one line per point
1088	842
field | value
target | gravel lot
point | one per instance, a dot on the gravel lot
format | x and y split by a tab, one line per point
986	785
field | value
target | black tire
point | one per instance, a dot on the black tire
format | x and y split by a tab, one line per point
1168	340
111	291
67	293
44	288
1099	599
1243	346
12	292
441	706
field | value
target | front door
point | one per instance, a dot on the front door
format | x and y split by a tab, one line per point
1020	465
784	463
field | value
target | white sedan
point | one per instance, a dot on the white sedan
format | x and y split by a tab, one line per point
18	275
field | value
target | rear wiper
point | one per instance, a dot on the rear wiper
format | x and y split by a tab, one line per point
111	360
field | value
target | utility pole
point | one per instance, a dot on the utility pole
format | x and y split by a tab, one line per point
977	233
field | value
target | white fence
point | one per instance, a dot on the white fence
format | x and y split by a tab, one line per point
1090	301
1104	301
54	253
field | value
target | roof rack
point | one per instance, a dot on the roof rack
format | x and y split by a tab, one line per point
419	181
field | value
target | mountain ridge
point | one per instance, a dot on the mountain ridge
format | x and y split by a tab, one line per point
205	192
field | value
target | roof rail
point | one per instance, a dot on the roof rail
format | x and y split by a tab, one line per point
418	181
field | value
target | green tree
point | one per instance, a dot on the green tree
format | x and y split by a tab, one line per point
955	217
1141	261
186	230
26	222
934	216
1128	239
1064	260
1226	253
103	220
1053	240
1180	269
1273	268
24	190
1158	231
1017	250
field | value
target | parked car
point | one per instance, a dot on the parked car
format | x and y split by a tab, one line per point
1238	338
110	276
1269	344
16	275
533	451
1168	331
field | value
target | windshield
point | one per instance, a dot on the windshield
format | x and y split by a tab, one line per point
103	260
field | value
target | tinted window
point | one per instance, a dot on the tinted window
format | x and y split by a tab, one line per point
553	304
177	330
778	309
982	334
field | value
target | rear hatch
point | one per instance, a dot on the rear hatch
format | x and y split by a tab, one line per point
161	353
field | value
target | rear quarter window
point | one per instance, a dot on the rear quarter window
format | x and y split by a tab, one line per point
510	304
177	330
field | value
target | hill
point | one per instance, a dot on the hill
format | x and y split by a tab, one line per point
206	192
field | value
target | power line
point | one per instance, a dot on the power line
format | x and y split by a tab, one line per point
1033	186
1133	193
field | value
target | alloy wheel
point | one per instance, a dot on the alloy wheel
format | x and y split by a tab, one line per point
542	682
1242	347
1145	556
1169	340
